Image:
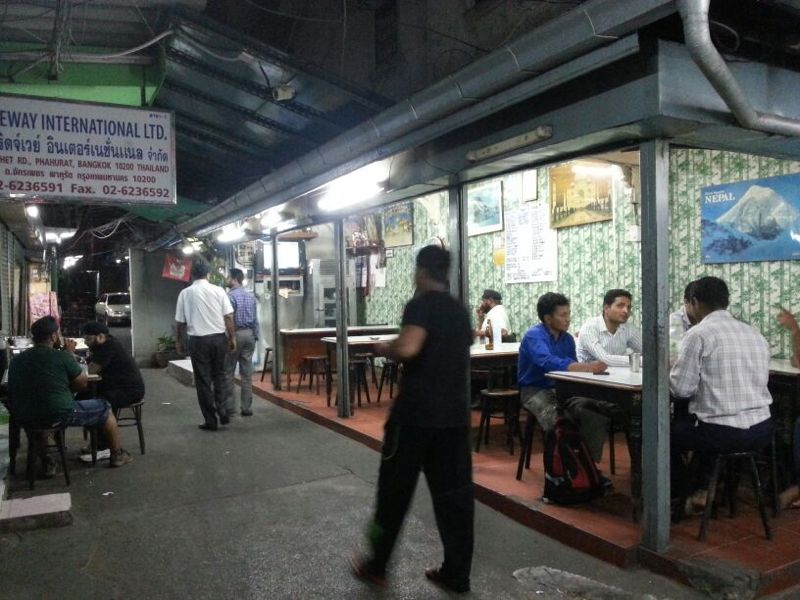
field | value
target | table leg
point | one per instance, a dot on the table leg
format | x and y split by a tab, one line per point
635	445
328	374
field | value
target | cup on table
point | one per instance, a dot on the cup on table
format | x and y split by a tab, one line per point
635	360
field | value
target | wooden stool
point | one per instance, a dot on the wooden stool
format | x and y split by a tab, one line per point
13	445
388	373
132	420
731	461
313	366
495	400
40	435
369	357
267	350
358	375
527	444
614	426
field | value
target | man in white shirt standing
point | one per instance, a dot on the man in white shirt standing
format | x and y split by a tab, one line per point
607	337
205	312
723	367
491	309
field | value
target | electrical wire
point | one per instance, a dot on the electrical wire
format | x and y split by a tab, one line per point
444	35
204	47
279	13
344	36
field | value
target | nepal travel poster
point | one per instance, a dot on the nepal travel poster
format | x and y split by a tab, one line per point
755	220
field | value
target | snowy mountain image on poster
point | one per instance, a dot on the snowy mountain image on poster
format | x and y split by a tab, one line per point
755	220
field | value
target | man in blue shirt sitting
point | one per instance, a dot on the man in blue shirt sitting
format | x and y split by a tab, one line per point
549	347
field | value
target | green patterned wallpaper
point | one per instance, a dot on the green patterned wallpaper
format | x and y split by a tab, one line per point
756	287
593	258
385	305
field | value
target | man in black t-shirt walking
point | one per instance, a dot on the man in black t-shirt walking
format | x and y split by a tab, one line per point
428	429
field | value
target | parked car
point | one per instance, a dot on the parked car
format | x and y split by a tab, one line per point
113	308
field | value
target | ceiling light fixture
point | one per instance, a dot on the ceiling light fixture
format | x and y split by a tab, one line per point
541	133
230	233
187	249
71	261
270	219
32	211
358	186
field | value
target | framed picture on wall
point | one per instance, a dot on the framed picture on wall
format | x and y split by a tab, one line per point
580	193
485	207
398	224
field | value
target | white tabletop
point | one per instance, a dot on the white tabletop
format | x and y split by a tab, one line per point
324	330
360	340
508	349
618	377
782	366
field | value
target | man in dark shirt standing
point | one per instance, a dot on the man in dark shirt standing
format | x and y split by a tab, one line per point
428	429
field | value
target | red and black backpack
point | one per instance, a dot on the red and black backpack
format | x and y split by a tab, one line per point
570	475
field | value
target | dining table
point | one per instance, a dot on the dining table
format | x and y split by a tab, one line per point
620	386
355	344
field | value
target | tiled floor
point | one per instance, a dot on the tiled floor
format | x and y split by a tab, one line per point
603	528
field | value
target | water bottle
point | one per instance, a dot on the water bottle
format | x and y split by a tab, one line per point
84	365
497	337
675	336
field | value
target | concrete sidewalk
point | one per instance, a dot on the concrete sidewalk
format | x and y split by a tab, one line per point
269	507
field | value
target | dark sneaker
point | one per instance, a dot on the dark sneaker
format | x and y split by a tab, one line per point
442	580
361	569
247	413
208	427
224	420
120	458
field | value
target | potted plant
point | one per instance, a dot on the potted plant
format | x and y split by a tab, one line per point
165	350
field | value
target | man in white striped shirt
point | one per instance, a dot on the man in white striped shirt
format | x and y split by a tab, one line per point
723	367
607	337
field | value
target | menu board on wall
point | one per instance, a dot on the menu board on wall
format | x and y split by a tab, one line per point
531	246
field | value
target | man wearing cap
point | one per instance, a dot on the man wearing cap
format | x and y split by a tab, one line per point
205	313
491	309
41	383
246	321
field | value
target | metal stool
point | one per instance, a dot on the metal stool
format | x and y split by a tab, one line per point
731	461
267	350
358	375
509	404
40	435
369	357
313	366
134	420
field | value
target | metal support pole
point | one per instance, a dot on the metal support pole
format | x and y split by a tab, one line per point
342	303
655	319
277	351
457	238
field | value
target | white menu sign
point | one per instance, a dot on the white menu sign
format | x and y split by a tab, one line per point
94	153
531	246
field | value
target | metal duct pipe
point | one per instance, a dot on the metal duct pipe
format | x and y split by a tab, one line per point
593	24
697	34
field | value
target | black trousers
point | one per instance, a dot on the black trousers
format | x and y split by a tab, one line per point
444	455
208	366
708	439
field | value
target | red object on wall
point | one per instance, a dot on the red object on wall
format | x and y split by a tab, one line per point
177	268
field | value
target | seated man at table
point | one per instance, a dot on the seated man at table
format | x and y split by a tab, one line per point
608	336
41	383
121	384
723	368
491	309
549	347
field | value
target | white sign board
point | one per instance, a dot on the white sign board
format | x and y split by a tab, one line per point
531	246
93	153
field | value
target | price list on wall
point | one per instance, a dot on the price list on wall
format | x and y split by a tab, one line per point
531	246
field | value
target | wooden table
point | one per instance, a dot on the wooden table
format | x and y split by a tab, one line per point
297	343
363	343
620	387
